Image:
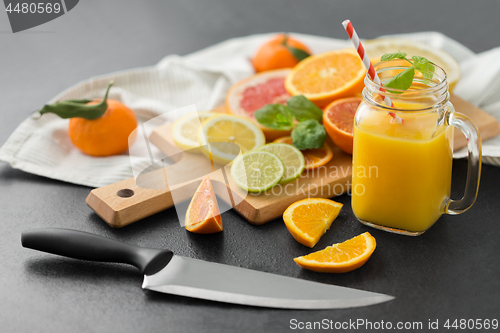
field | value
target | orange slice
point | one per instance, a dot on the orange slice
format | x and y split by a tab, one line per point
342	257
338	119
308	219
328	76
314	158
202	216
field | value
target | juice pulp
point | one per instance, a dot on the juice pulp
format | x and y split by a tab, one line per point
401	172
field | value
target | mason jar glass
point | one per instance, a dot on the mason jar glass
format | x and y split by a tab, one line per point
402	156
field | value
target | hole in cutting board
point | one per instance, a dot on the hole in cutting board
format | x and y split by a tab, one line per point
125	193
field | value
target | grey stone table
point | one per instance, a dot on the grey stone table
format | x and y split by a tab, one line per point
450	272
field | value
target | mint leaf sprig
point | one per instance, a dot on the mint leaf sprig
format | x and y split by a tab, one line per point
308	133
277	116
404	79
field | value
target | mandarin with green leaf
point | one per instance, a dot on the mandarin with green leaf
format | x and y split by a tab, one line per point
107	135
97	127
280	52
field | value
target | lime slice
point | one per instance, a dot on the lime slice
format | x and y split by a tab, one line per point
291	157
257	171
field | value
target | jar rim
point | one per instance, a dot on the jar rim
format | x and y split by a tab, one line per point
439	89
442	76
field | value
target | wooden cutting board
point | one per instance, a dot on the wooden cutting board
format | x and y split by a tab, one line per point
128	201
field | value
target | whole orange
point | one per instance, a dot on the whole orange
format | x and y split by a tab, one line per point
274	55
107	135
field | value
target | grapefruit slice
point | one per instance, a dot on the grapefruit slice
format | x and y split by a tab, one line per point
253	93
203	216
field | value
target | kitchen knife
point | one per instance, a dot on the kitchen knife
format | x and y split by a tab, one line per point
168	273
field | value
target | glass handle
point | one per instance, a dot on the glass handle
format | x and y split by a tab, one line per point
471	133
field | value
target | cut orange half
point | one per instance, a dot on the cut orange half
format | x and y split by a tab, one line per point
328	76
314	158
308	219
338	119
342	257
202	216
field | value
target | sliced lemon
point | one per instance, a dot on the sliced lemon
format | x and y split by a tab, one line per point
292	159
257	171
376	48
228	130
185	130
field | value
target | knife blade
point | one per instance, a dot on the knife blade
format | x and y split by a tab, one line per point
168	273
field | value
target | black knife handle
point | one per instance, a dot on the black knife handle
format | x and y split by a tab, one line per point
85	246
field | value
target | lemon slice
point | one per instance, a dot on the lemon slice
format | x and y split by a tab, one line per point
257	171
376	48
185	130
292	159
230	130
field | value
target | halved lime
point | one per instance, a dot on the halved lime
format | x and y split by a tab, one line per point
257	171
291	157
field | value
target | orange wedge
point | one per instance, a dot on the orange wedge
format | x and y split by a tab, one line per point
202	216
308	219
342	257
314	158
338	119
328	76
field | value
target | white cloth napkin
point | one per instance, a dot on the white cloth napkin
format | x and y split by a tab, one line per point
42	146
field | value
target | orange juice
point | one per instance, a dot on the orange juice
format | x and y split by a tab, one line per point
401	171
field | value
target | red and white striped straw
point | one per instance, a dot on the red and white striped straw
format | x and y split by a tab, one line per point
368	65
